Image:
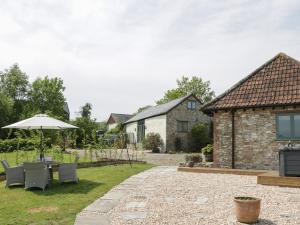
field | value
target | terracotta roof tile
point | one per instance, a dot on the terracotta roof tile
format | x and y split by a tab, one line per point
277	82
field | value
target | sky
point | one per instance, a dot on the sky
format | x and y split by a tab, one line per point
120	55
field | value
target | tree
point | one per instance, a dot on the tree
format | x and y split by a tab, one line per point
14	83
6	107
186	86
86	110
46	95
86	134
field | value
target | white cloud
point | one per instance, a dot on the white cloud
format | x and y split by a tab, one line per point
120	55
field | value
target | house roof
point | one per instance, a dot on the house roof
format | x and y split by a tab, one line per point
118	118
277	82
158	109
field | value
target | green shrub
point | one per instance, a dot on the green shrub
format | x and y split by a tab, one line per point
24	144
196	157
153	142
199	136
208	149
118	129
120	142
178	144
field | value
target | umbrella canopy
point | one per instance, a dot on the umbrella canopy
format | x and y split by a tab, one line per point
41	122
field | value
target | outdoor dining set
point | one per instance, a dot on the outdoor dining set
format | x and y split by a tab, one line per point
40	173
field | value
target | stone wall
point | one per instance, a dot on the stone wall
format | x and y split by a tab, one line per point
222	139
182	113
256	146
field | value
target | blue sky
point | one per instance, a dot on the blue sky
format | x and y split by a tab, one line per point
120	55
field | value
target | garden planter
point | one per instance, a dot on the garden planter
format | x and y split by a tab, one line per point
247	209
190	164
208	157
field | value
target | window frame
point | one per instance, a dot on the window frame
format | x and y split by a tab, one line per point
181	130
193	103
292	126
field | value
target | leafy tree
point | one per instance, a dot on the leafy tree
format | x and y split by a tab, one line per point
86	134
86	110
185	86
6	107
46	95
14	83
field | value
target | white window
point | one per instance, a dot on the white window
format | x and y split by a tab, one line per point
191	105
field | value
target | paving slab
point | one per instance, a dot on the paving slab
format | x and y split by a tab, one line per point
93	220
133	215
202	200
115	194
135	204
102	205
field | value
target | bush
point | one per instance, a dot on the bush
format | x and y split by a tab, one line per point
153	142
199	136
178	144
120	142
196	158
208	149
24	144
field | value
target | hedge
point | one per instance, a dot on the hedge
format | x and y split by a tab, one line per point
28	144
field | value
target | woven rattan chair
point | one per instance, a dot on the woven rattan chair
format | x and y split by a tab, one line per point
14	175
36	175
67	172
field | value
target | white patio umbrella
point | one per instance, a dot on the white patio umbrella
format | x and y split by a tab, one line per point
41	122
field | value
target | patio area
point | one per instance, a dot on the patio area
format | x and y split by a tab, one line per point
163	195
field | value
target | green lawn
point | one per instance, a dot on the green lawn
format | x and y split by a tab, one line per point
18	157
59	204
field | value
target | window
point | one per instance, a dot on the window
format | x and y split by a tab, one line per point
182	126
288	126
191	105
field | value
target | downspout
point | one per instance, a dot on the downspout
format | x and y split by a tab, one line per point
232	139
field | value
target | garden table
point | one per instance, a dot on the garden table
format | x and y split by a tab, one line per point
50	165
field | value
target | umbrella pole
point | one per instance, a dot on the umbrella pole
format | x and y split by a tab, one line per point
41	148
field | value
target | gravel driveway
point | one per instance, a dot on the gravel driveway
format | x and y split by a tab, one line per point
164	196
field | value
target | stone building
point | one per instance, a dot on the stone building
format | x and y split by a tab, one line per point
256	116
172	120
117	118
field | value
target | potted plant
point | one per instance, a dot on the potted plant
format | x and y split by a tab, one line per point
207	153
192	159
247	209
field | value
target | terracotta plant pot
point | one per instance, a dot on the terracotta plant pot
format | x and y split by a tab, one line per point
247	209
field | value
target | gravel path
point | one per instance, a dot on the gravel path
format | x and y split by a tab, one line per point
164	196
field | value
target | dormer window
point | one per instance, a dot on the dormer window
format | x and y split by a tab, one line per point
191	104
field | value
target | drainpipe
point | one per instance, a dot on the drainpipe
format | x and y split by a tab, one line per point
232	139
